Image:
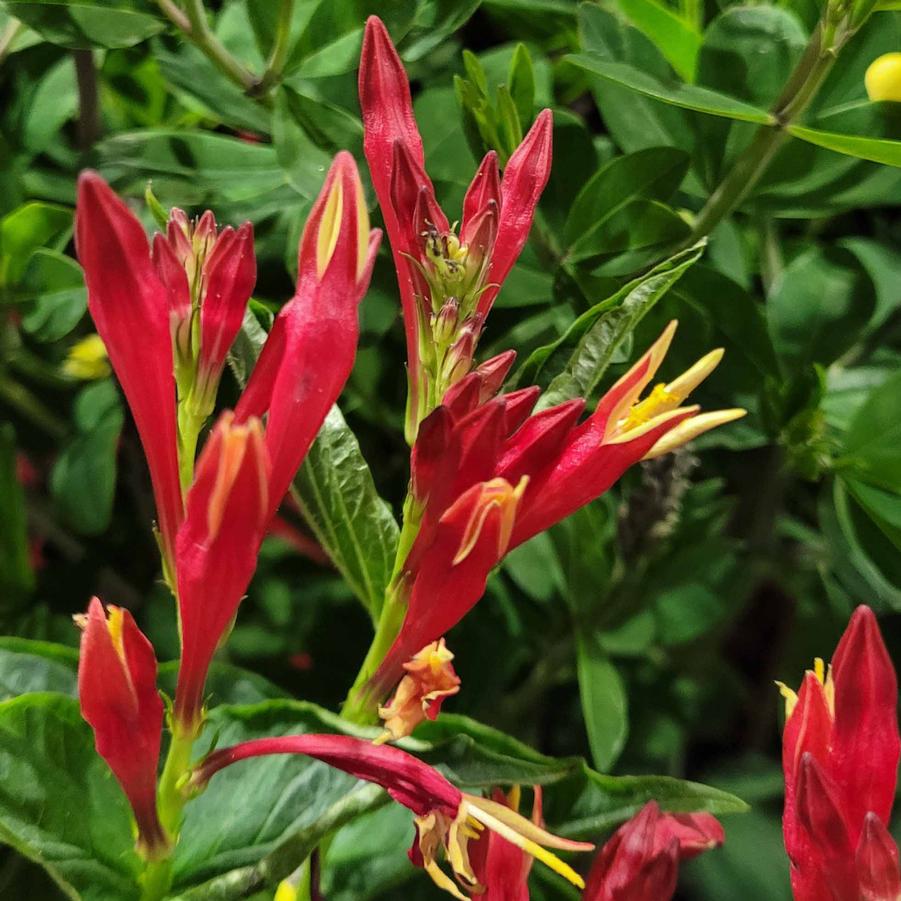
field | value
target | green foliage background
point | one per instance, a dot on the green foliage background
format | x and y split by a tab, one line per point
644	633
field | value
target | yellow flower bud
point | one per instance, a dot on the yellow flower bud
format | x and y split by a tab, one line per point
883	78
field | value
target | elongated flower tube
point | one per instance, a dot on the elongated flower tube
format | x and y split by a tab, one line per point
244	471
119	699
448	281
445	817
487	476
130	308
310	351
840	750
227	515
640	862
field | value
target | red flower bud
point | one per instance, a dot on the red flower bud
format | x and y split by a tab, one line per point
130	308
877	862
119	698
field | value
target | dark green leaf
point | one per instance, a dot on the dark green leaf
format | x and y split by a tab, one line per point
30	666
86	23
522	83
575	363
818	307
56	284
59	803
685	96
652	174
84	478
604	701
23	231
872	440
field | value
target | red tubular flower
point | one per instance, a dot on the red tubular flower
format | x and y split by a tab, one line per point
119	699
840	750
488	477
445	817
310	351
130	308
447	282
640	862
243	472
227	516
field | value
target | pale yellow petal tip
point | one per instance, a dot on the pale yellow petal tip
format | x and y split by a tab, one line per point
362	228
554	863
689	429
329	227
681	387
790	696
883	78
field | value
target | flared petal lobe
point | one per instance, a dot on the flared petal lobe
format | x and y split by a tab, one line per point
130	308
119	699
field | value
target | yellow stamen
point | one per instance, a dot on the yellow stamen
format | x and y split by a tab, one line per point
819	670
791	698
330	227
532	848
500	495
690	429
621	437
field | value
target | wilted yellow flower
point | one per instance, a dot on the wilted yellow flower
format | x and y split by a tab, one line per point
87	359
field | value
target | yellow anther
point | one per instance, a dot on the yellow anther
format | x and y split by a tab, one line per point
330	227
658	401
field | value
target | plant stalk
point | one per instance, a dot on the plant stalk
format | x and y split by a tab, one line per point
281	43
799	91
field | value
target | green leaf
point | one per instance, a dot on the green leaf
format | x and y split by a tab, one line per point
634	121
590	804
883	507
651	174
604	701
16	576
573	365
339	501
304	163
53	103
59	803
672	92
83	480
878	150
31	666
23	231
818	307
56	284
672	34
82	24
521	82
872	440
337	495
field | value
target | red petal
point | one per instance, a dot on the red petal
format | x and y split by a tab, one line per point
130	308
865	738
877	862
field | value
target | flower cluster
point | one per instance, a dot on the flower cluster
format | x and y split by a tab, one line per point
840	750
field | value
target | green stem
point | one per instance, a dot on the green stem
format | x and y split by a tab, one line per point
189	428
192	22
800	89
279	54
27	404
157	876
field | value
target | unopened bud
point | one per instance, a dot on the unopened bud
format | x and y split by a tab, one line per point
444	325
